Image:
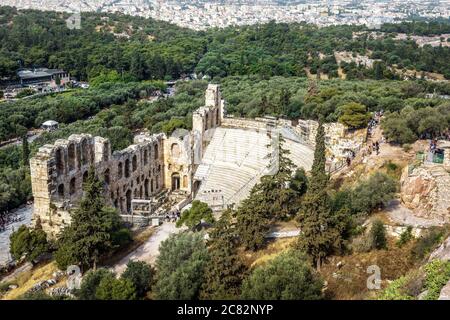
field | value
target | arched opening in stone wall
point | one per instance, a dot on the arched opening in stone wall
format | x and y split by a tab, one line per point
151	186
175	150
134	163
136	194
59	161
61	190
72	157
127	168
207	121
106	177
146	189
85	152
157	184
156	152
217	117
175	181
128	199
120	170
78	153
106	152
145	157
72	186
140	192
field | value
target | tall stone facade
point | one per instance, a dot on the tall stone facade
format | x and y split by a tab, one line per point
154	164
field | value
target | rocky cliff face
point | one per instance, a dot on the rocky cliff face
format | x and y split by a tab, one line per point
426	191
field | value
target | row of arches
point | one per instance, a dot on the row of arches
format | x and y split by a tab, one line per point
77	157
124	169
143	191
63	191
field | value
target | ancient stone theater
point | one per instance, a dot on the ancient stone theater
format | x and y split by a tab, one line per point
218	162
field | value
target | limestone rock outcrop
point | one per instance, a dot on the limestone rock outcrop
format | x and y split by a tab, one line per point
426	191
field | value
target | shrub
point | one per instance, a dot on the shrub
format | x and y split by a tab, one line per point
111	288
437	275
28	243
395	290
90	284
180	266
141	276
427	242
373	193
378	235
287	277
405	236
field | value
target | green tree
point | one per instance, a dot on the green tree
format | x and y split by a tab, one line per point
111	288
299	182
92	229
90	283
354	115
195	215
141	276
226	270
373	193
286	277
378	235
270	200
180	266
285	99
28	243
25	150
320	227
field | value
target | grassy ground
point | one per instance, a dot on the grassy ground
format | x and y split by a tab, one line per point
349	281
28	279
273	248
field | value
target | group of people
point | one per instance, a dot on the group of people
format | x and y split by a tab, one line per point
374	122
433	145
375	146
371	146
8	219
172	215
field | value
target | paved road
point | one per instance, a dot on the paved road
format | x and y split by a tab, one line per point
148	251
25	214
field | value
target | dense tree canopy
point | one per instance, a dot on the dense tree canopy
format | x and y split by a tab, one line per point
180	266
287	277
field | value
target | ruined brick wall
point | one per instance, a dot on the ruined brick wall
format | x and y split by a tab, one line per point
59	170
338	139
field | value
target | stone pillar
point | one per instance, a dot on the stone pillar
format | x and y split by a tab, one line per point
41	169
447	157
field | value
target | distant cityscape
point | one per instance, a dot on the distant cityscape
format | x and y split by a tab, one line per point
203	14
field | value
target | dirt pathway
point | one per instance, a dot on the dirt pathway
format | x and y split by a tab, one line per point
148	251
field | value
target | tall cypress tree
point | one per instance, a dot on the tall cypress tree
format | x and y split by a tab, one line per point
252	221
91	232
25	150
224	274
270	200
320	228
